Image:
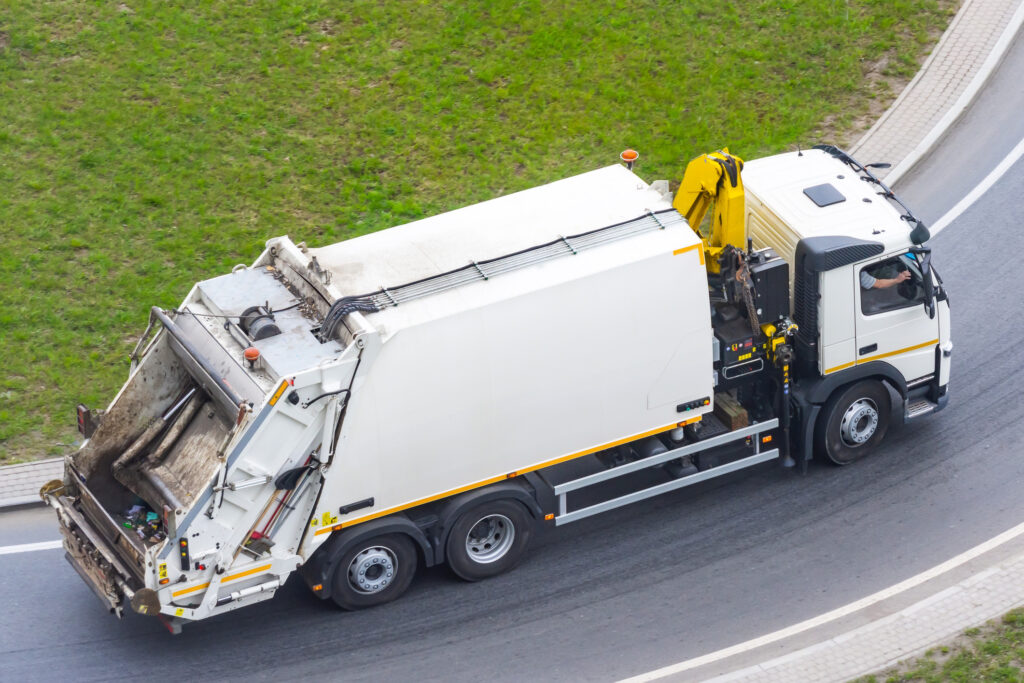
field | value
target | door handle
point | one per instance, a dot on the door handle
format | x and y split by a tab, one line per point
868	349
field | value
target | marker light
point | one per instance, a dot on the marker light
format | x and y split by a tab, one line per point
630	156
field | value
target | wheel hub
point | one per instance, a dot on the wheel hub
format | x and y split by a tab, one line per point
860	421
372	570
490	539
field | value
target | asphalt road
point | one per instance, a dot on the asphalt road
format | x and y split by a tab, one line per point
662	580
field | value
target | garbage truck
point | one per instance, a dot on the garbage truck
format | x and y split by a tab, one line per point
440	391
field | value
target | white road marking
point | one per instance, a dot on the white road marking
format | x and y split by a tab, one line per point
980	189
29	547
835	614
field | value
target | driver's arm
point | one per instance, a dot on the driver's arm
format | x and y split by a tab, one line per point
885	283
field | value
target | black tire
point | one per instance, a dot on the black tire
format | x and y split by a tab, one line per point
854	421
488	539
362	578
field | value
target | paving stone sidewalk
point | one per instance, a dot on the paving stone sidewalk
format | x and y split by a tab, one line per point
20	484
884	642
959	65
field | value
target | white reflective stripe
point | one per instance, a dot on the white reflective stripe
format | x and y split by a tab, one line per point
980	189
835	614
29	547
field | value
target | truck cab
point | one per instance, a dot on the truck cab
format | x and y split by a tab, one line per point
869	305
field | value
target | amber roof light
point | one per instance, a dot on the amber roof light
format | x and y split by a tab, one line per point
630	156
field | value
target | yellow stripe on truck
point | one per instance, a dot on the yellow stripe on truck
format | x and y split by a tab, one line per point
191	589
229	577
698	247
879	356
277	394
485	482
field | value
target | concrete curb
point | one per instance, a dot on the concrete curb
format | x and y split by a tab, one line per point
992	62
903	635
20	484
876	631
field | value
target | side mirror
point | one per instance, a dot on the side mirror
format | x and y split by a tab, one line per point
924	259
920	235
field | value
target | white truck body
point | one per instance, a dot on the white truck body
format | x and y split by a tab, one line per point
529	368
476	353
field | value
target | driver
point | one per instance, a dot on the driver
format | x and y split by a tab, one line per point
869	281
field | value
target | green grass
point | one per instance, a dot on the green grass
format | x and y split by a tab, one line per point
992	653
147	145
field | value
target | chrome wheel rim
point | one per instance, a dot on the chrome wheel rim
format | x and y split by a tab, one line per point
490	539
859	423
372	570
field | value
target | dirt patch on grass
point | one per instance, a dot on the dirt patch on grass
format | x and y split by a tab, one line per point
884	82
180	118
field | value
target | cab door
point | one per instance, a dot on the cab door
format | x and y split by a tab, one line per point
892	323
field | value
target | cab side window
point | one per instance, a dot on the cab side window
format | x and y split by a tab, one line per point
890	285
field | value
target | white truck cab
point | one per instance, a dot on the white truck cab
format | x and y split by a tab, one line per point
866	298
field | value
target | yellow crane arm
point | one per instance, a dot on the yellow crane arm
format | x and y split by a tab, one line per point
714	179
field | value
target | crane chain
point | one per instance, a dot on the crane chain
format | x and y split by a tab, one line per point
748	297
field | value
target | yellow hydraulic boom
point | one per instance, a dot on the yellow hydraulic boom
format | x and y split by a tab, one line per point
714	179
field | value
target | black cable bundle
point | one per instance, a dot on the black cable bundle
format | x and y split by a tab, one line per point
341	308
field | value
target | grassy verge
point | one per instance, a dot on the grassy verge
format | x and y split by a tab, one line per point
994	652
146	145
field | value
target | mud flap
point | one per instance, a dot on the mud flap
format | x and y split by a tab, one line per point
172	624
109	597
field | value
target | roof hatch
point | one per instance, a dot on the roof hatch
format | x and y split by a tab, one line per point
824	195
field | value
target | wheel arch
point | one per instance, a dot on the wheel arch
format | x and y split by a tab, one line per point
513	489
319	569
822	389
812	396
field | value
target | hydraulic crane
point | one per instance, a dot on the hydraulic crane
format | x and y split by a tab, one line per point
714	179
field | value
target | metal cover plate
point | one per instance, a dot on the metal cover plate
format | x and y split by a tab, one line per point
824	194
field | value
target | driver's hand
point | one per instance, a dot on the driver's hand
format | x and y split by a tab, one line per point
903	276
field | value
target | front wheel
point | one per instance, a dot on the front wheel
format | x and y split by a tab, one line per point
374	571
855	421
488	539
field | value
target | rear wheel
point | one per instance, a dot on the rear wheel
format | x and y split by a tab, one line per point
488	539
855	421
374	571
